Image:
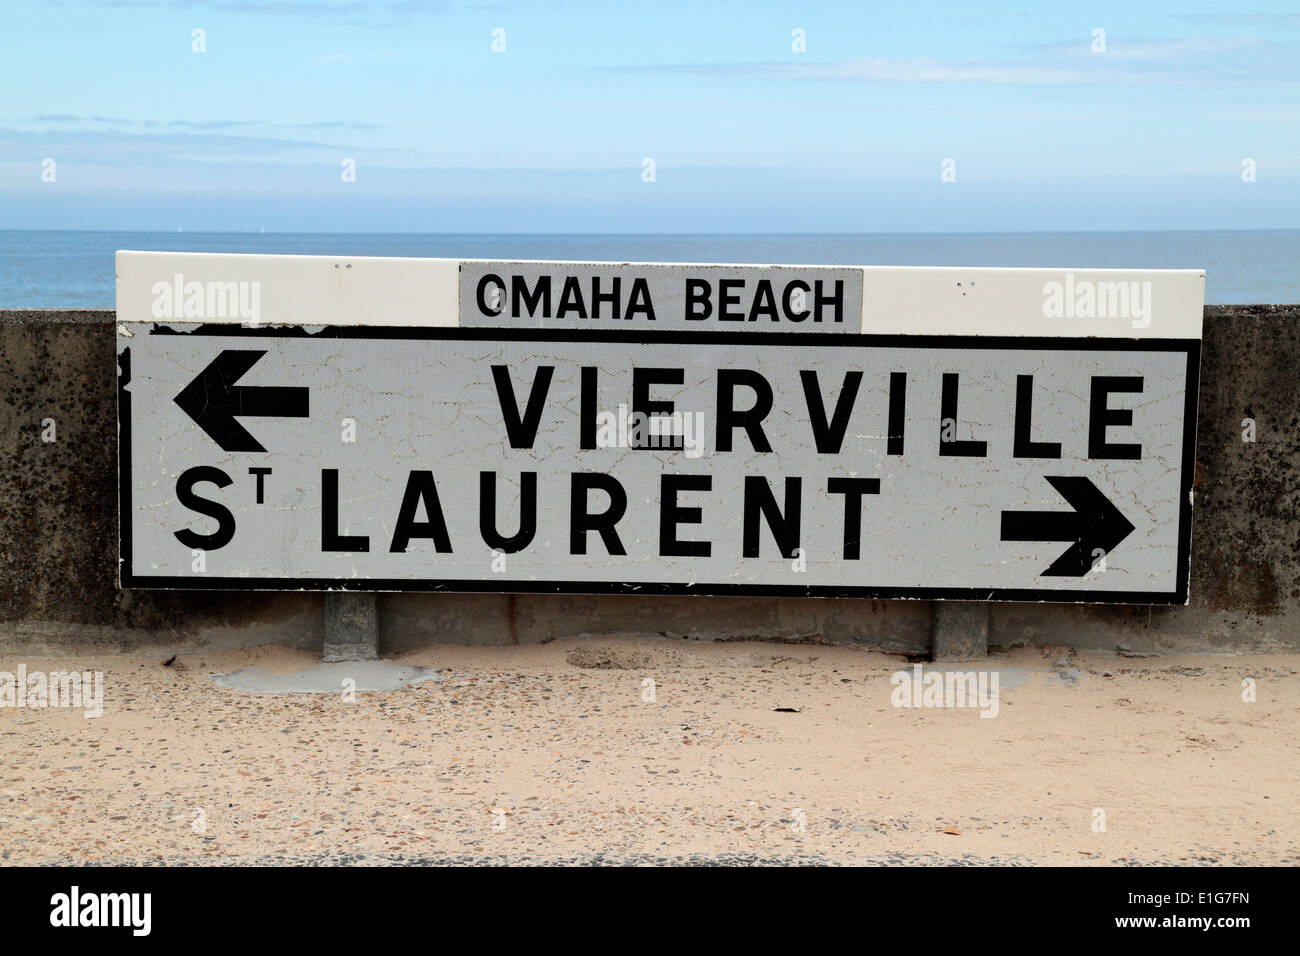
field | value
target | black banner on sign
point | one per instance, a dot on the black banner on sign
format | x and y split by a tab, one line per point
332	907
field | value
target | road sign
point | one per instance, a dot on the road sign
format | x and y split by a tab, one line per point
419	435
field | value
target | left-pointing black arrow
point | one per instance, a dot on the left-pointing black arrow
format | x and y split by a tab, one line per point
1094	525
213	400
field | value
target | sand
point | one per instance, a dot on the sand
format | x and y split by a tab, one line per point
749	752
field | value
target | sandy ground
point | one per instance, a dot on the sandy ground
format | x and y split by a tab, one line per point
550	753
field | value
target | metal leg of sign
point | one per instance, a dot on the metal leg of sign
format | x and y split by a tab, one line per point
351	626
960	631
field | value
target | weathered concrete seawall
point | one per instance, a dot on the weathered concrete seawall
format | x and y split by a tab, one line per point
58	533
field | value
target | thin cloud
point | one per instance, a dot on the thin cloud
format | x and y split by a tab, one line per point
1186	63
65	119
352	11
882	69
1152	50
1239	19
296	8
336	124
70	118
119	147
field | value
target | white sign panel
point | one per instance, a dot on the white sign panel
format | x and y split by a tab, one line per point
649	451
584	295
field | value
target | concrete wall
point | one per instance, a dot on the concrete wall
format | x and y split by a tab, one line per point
58	533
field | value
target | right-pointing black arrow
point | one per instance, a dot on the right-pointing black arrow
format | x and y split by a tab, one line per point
1094	524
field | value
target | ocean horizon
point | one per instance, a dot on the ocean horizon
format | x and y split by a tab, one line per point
58	269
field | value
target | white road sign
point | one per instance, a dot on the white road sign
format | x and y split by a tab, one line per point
298	422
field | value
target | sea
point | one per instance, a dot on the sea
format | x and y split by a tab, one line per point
66	269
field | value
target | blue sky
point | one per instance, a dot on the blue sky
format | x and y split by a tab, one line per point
746	133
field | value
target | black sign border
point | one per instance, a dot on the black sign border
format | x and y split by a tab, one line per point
1179	596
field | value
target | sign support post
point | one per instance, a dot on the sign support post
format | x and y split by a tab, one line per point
351	627
960	631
